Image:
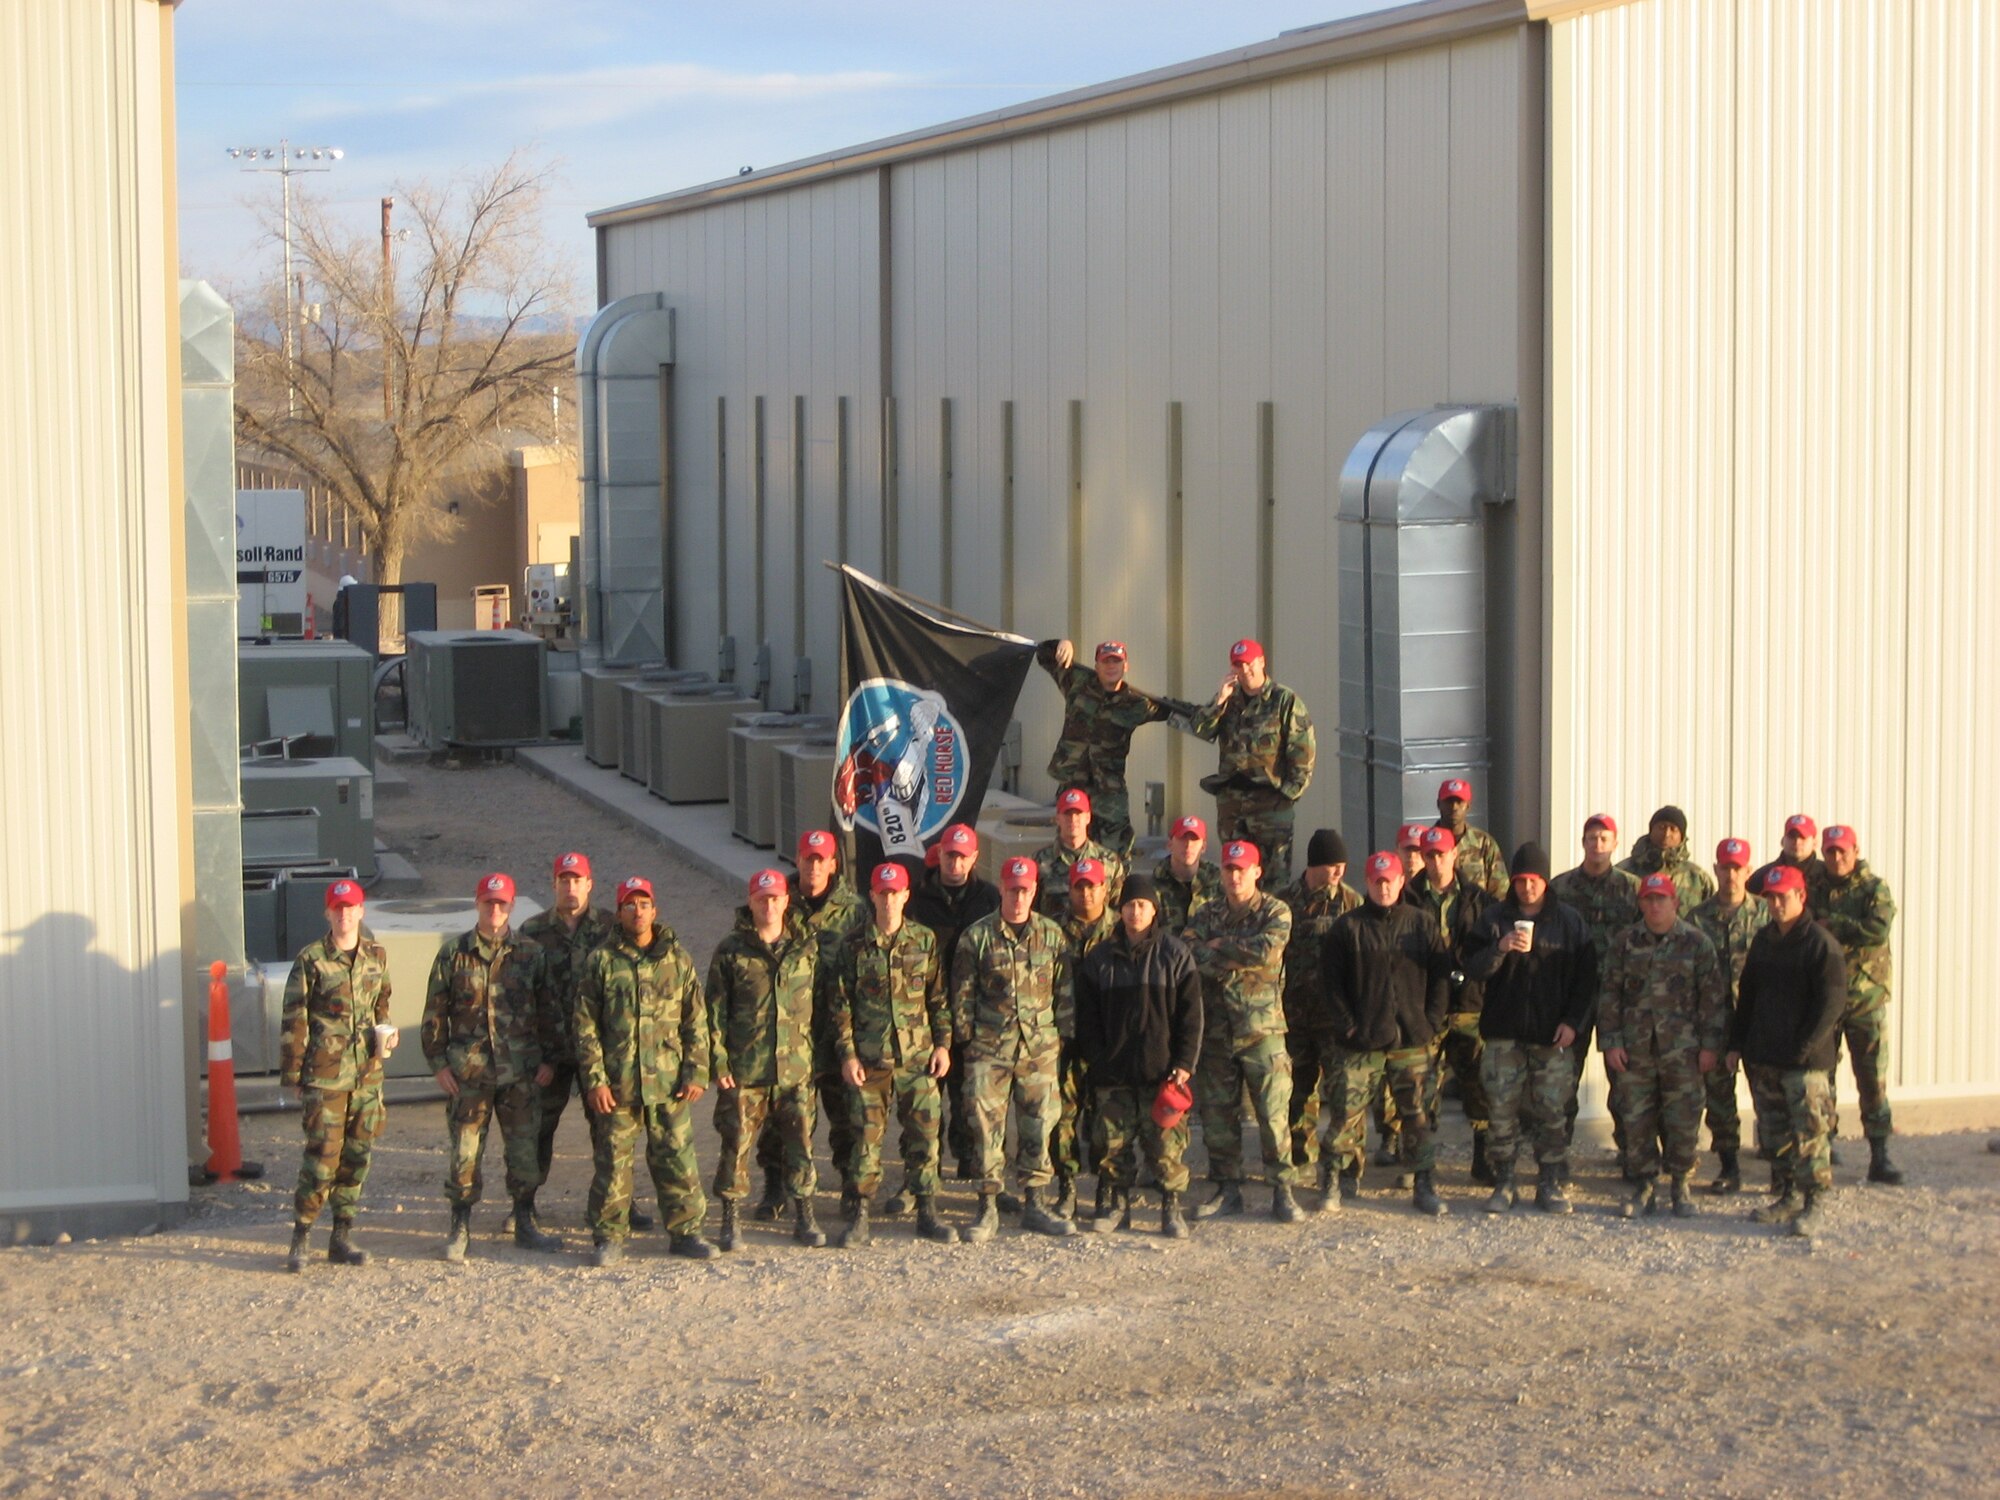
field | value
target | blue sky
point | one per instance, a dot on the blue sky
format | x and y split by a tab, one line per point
626	98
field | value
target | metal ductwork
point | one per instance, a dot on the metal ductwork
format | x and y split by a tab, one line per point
1413	648
620	369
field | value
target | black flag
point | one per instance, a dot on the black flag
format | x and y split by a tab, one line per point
925	704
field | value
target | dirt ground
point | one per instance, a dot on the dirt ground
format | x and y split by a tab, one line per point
1364	1352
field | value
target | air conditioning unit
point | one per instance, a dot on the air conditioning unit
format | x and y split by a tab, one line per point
600	712
478	689
805	789
753	769
1005	834
280	835
635	722
341	789
302	901
689	741
317	694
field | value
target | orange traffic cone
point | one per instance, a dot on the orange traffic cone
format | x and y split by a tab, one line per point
225	1141
311	621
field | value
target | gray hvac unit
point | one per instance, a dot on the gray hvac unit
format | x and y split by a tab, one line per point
280	835
317	694
689	741
805	789
635	718
601	718
753	769
565	695
341	789
479	689
302	902
263	918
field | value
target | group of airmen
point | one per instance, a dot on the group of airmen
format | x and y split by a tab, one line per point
1101	1007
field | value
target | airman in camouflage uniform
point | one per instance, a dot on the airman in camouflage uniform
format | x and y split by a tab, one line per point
1729	919
1056	861
1100	712
1606	896
1456	906
1266	758
892	1030
1238	945
1186	882
949	898
1317	899
1665	849
1663	1021
1798	849
1013	1008
337	993
490	1019
1855	906
642	1045
760	1015
1479	858
1089	920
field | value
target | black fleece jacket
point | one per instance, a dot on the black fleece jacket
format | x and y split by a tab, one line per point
1790	999
1528	995
1138	1009
1388	977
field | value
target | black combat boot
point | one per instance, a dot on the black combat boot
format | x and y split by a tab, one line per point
528	1231
929	1225
1880	1168
689	1245
1172	1225
1105	1189
985	1223
805	1224
1833	1151
607	1252
1284	1207
856	1234
1009	1204
726	1239
1389	1149
1228	1201
1730	1178
340	1250
1114	1208
1350	1180
772	1204
1503	1197
1065	1205
898	1204
1423	1196
1780	1210
458	1239
1482	1166
295	1258
1038	1218
1329	1192
1638	1198
1549	1195
1683	1195
639	1219
1806	1220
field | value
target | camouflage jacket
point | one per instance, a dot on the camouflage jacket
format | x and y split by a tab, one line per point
1097	725
1730	932
1313	913
839	912
887	996
1011	993
760	1005
1693	884
1479	859
490	1014
1608	903
1055	863
1859	911
1241	958
332	999
1082	936
1666	989
1457	914
1181	899
1266	742
641	1027
562	953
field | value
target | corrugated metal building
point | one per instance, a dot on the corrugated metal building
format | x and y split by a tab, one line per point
94	799
1091	366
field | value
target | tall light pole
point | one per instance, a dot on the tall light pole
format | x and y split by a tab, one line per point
286	159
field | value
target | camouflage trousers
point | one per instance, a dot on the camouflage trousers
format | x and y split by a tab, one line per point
1220	1078
340	1133
1459	1049
839	1132
1111	818
740	1114
1353	1080
1031	1085
518	1108
958	1114
1659	1097
1124	1116
669	1132
1312	1054
1265	819
1524	1079
1794	1114
1725	1123
913	1093
556	1094
1069	1144
1866	1033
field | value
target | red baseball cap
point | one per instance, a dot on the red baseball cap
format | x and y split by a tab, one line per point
1438	840
1086	872
1733	852
1073	799
889	876
819	843
1839	836
769	883
960	838
1244	650
1601	820
1410	836
1658	884
634	885
1241	854
1111	649
1188	826
1802	825
1457	789
1019	874
573	864
495	887
1784	878
343	893
1171	1104
1383	862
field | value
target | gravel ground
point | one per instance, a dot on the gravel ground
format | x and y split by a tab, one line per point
1364	1352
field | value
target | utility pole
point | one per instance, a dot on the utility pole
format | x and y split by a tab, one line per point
290	159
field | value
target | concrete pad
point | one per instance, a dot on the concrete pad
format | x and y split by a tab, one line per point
700	833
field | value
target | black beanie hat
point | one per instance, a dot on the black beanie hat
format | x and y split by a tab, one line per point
1529	859
1139	887
1673	815
1326	847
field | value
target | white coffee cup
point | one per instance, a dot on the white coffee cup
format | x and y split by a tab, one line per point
385	1039
1525	931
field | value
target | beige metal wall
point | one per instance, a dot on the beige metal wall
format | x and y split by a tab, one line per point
92	1075
1775	355
1342	243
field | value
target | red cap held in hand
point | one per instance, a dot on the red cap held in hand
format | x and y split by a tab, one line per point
1171	1104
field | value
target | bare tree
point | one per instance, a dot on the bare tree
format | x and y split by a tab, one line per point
469	338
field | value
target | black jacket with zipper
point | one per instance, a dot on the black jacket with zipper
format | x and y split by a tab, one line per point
1388	977
1791	997
1138	1009
1528	995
